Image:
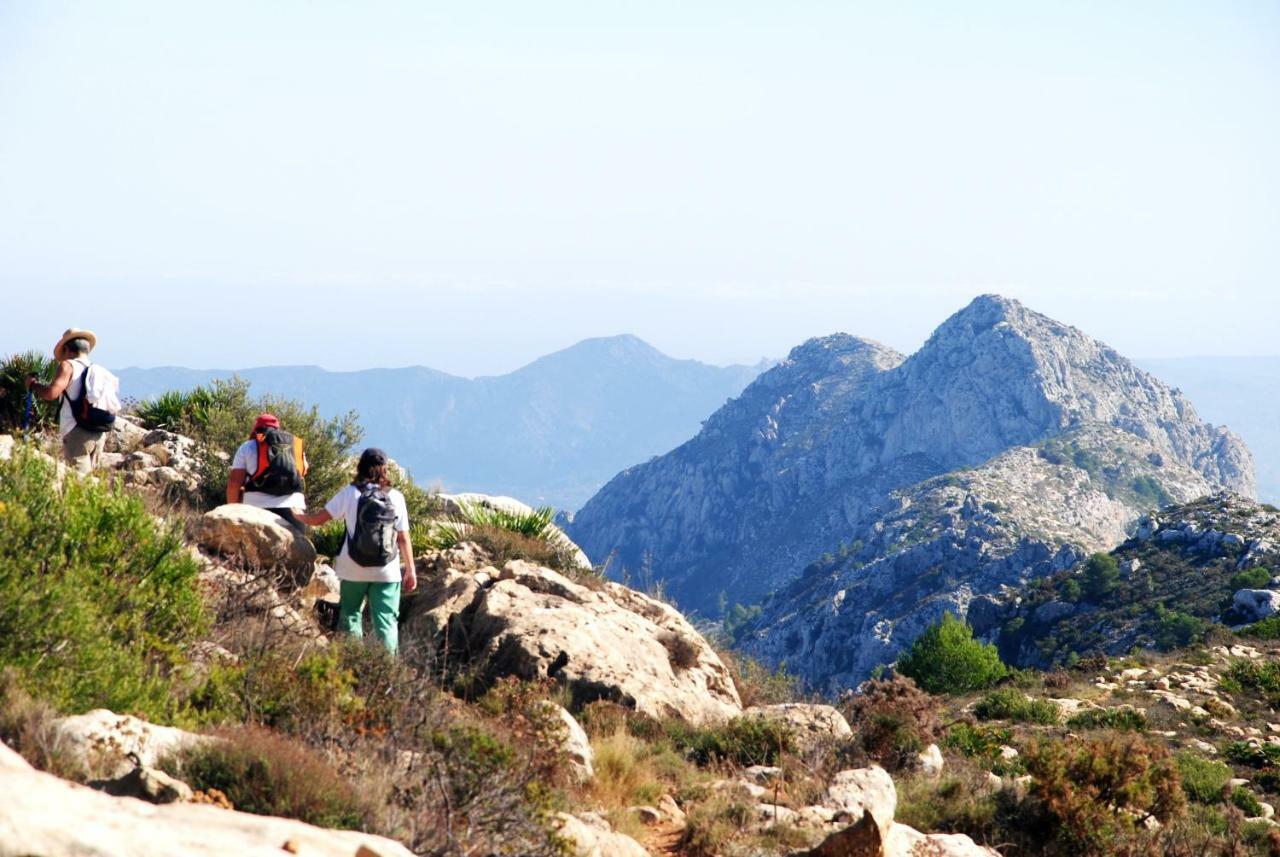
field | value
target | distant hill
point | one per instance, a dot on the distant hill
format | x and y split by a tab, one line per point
1242	392
551	432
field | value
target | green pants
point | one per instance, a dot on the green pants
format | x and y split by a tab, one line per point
384	609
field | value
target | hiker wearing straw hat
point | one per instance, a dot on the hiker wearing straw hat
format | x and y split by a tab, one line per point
89	401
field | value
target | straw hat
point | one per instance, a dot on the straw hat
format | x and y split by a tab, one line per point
74	333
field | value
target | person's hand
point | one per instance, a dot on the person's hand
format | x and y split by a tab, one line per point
409	581
31	379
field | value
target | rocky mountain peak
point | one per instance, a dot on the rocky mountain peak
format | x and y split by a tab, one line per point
807	460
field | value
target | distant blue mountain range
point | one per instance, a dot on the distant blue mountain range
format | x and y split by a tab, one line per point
551	432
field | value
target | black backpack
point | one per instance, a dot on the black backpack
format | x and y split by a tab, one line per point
87	416
373	544
281	463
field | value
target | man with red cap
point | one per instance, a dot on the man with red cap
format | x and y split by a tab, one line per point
268	469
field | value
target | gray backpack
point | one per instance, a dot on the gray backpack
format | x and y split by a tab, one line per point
373	543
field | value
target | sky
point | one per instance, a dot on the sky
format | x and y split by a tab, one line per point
468	185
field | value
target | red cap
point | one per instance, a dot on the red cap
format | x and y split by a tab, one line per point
266	421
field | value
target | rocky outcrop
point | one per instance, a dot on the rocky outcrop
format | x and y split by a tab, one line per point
589	834
801	463
41	814
868	798
109	745
811	725
1255	604
602	641
872	493
258	540
574	743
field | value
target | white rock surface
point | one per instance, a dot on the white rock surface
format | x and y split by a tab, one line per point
930	761
46	816
102	740
602	641
257	539
1256	604
576	745
591	835
864	790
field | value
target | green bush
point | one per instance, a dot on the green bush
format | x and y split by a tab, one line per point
269	773
1123	719
946	659
741	741
1100	575
1203	779
1253	755
1149	490
14	370
328	539
1246	801
1176	630
178	410
1252	578
1267	629
1009	704
97	600
228	418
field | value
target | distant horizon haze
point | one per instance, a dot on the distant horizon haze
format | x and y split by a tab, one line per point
470	185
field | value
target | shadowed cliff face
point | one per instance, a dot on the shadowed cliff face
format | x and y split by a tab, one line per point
819	451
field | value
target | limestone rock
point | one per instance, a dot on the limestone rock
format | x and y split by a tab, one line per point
603	641
904	841
149	784
103	742
1256	604
41	814
930	761
868	790
257	539
576	745
590	835
810	724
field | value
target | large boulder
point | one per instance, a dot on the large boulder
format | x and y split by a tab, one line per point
590	835
600	639
102	741
257	539
1256	604
41	814
811	724
868	790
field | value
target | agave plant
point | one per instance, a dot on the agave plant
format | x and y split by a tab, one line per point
177	409
535	523
14	370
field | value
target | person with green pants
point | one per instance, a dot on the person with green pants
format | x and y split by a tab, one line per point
377	541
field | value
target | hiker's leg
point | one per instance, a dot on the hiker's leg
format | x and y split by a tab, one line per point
78	449
351	594
384	604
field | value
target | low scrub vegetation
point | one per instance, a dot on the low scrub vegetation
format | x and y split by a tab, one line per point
893	721
97	600
14	370
1013	705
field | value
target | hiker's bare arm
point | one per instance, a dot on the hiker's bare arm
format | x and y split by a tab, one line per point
56	387
410	577
235	485
314	519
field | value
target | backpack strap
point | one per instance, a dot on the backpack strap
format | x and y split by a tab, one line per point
299	458
264	460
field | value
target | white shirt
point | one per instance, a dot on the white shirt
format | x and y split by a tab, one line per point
343	508
247	460
66	419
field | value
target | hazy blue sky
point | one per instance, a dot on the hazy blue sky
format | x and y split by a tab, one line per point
470	184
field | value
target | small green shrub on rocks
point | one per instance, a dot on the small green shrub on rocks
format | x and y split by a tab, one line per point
1203	779
946	659
97	600
1009	704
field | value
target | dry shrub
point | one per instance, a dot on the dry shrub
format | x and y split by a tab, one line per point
26	726
269	773
1100	792
757	684
893	720
682	651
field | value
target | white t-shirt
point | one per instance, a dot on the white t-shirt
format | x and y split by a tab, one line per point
343	508
66	419
247	460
